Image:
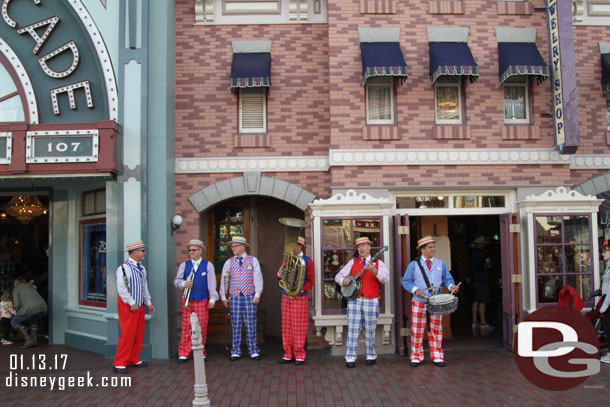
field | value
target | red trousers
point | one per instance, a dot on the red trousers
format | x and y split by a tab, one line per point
132	335
201	309
418	326
294	326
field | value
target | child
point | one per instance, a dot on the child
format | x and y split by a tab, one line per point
6	313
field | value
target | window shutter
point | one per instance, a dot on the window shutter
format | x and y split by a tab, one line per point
252	110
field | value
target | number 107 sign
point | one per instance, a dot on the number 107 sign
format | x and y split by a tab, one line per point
62	146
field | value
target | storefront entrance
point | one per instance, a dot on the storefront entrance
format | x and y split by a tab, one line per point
24	242
256	218
456	236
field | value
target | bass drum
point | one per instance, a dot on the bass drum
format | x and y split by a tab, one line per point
442	304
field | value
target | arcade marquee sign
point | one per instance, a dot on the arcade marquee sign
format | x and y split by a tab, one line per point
58	61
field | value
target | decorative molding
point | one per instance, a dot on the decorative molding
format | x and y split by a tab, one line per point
595	186
578	10
378	6
24	80
518	7
381	133
351	198
483	156
31	158
446	6
241	164
103	56
388	157
560	194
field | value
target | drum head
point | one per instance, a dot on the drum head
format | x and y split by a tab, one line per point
441	298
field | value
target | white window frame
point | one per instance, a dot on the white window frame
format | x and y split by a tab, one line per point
263	91
230	7
380	82
457	84
524	85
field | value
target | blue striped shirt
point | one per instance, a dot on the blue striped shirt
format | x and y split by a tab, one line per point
438	275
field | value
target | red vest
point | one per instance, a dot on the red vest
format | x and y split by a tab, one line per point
370	283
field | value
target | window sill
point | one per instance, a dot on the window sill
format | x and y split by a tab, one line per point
446	6
378	6
451	132
520	132
381	132
515	7
251	140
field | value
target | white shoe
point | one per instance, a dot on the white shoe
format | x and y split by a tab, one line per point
605	359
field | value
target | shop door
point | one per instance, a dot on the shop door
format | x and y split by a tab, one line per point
402	257
511	276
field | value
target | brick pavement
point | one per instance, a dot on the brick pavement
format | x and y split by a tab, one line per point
478	373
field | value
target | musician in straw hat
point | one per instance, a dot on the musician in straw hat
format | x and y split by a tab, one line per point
196	276
245	279
414	282
133	294
365	308
294	312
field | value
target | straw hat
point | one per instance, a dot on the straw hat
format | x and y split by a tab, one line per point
301	240
425	240
480	239
195	242
239	240
361	240
135	245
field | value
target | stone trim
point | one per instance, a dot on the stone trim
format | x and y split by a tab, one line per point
594	186
251	183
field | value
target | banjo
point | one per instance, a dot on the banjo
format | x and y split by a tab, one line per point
353	289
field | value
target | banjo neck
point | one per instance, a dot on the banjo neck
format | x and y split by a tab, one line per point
373	261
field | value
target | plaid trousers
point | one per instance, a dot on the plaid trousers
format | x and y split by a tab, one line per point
294	326
361	312
242	309
435	336
201	309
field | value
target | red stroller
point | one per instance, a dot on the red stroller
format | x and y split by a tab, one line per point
568	297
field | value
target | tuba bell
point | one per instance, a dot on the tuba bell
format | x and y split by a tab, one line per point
293	270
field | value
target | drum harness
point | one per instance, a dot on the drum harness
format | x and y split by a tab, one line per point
421	268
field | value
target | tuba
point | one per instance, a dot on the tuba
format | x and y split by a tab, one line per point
293	271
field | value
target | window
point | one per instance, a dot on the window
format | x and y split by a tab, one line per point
11	109
516	106
608	111
224	222
337	242
380	100
448	100
563	256
253	110
93	249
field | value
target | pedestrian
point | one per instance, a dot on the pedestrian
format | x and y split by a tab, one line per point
7	311
423	272
198	279
30	308
480	273
364	308
605	288
295	317
133	293
242	278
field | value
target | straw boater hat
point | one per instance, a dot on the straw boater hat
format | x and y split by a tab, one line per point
425	240
195	242
480	239
239	240
301	240
361	240
135	245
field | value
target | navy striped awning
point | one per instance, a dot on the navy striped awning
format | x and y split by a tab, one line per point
251	69
606	73
521	58
382	59
452	58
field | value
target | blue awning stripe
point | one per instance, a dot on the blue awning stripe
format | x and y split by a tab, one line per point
382	59
521	58
251	70
453	59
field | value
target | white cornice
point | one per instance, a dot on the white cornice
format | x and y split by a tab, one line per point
387	157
